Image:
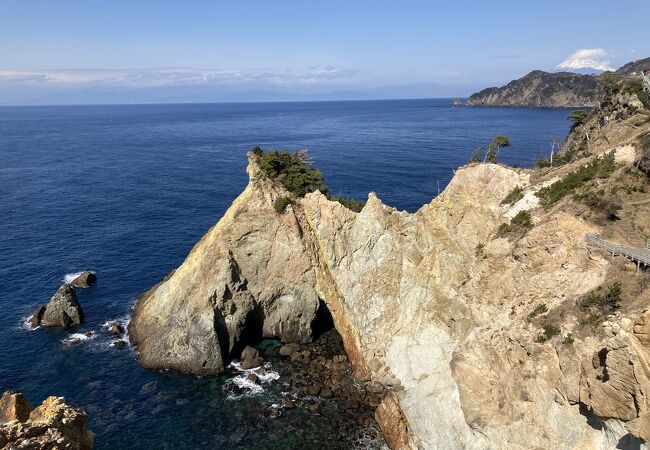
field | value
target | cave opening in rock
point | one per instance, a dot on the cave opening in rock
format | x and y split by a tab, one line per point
323	321
252	332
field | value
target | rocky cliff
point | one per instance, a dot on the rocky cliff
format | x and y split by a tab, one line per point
476	335
543	89
53	425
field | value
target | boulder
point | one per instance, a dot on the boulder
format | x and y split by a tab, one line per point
14	406
84	280
52	425
250	358
289	349
64	309
35	321
119	344
116	329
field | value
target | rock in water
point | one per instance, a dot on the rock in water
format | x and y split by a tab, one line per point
52	425
35	321
116	329
84	280
250	358
14	407
64	309
249	275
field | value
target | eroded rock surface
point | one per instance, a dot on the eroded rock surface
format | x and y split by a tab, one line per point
84	280
432	306
53	425
63	309
251	272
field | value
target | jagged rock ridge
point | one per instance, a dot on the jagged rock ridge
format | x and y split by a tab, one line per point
433	305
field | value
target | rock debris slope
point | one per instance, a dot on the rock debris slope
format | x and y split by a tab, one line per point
433	305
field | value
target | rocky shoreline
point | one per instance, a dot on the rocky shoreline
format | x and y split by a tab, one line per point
317	379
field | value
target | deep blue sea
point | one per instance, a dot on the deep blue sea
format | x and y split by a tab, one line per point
127	190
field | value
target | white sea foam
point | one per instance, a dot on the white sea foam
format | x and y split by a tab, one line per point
77	338
26	323
246	386
69	277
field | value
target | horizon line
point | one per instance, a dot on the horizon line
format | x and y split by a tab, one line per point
17	105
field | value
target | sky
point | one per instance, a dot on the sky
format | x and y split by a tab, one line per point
139	51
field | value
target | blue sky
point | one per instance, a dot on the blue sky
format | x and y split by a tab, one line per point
88	51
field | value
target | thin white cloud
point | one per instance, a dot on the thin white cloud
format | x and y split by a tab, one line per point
586	58
140	78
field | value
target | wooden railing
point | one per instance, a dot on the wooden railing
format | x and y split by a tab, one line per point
638	255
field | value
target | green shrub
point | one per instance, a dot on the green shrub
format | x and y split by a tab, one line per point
578	117
518	226
606	204
599	167
476	156
350	203
568	340
543	162
514	196
602	300
294	171
257	151
550	331
539	309
281	204
479	248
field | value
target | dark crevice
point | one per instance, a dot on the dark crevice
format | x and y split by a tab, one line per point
252	331
222	332
323	321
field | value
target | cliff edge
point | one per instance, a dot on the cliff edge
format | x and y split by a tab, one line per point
479	313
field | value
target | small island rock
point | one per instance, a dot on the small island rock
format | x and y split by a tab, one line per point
84	280
116	329
64	309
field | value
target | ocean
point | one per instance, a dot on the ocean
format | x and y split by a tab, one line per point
126	191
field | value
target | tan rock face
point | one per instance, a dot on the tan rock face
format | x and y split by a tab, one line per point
52	425
14	407
249	274
421	310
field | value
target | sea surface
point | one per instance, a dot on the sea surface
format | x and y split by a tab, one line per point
126	191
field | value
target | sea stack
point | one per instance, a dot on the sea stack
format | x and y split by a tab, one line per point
63	309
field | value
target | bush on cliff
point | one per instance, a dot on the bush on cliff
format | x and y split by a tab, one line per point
604	301
281	204
518	226
297	174
513	197
350	203
578	117
294	170
601	167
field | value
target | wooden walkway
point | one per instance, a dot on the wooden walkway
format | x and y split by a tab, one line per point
641	256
